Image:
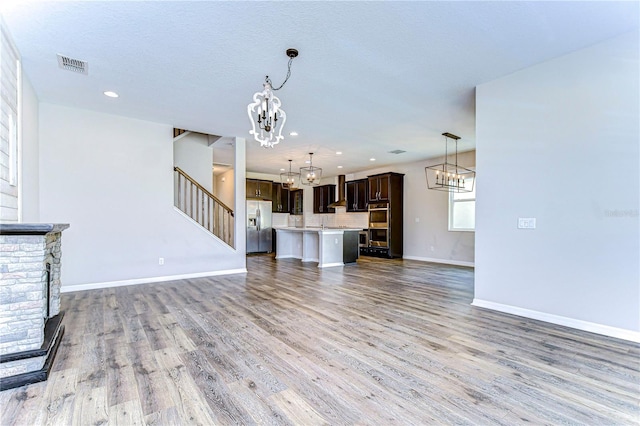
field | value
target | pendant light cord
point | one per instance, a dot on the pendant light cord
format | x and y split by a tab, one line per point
268	80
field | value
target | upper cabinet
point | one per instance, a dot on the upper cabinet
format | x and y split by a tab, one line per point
383	186
280	198
357	195
261	189
323	196
296	198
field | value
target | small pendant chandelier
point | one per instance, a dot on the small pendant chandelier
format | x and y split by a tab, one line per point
289	180
450	176
265	112
310	175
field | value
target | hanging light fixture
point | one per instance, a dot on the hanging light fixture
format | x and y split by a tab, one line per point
310	175
265	112
289	180
450	176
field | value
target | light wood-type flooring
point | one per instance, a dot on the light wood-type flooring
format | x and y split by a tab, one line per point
382	342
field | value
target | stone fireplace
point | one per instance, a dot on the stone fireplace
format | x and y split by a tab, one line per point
30	317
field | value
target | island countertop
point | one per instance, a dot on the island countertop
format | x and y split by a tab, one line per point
313	244
315	228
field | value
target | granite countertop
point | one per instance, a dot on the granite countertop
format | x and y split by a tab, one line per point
31	228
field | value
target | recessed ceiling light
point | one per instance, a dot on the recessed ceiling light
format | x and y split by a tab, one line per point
338	152
282	170
111	94
339	167
293	134
372	159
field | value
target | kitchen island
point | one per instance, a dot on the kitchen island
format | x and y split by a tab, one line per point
327	246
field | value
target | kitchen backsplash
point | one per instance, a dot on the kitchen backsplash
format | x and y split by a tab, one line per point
339	218
280	219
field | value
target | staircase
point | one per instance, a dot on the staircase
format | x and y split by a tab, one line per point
203	207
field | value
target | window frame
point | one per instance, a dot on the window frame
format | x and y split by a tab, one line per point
452	202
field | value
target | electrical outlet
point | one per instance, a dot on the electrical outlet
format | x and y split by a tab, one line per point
336	241
526	223
161	261
417	219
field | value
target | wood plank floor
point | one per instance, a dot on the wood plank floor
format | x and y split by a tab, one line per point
382	342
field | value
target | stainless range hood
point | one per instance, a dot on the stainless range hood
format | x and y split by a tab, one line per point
342	202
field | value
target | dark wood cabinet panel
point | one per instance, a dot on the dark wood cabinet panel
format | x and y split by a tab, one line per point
296	199
257	188
357	195
280	196
322	197
379	187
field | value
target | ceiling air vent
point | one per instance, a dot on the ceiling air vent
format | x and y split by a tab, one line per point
75	65
397	151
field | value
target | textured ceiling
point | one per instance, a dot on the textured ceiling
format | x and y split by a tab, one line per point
371	77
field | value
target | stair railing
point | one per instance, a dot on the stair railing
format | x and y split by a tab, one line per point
203	207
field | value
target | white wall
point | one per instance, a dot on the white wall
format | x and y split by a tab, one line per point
194	156
428	238
111	178
223	187
559	142
30	195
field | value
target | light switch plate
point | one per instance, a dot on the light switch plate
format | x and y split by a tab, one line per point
526	223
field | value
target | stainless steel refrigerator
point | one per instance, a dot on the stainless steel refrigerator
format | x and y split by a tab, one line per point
259	226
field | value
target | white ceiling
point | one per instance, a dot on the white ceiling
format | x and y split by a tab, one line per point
371	77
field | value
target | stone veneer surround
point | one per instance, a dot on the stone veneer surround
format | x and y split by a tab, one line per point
29	331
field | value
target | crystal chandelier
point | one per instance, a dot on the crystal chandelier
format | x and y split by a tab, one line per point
450	176
310	175
265	112
289	180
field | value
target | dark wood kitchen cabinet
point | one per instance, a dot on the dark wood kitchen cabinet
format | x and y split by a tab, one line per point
296	201
379	187
385	215
280	197
357	195
257	188
322	197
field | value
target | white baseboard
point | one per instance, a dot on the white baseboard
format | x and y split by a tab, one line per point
287	256
109	284
619	333
330	265
444	261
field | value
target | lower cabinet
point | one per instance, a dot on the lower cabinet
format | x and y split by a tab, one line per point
350	249
273	240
